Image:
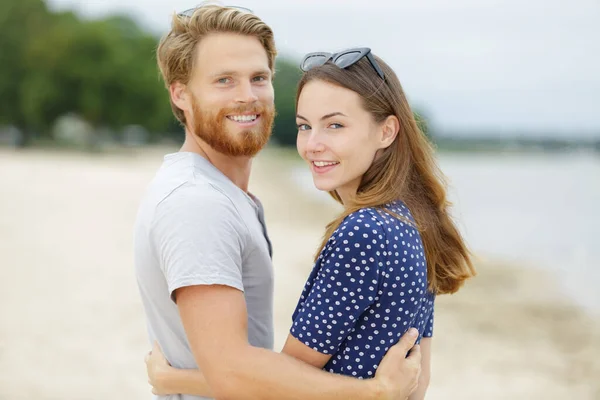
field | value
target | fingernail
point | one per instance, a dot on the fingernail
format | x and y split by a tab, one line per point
413	332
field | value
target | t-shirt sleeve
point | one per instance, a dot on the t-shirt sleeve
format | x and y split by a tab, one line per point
198	237
344	287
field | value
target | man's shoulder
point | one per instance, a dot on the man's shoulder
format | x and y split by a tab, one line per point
196	210
181	175
201	196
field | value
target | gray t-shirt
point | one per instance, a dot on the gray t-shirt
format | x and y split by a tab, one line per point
195	227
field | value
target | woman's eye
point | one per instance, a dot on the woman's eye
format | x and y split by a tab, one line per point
336	126
303	127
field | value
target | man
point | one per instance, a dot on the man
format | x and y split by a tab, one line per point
202	252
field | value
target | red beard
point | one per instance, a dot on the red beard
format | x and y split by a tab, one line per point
211	128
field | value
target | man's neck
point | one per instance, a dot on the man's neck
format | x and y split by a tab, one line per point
237	169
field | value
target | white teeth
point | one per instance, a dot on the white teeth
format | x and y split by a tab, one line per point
243	118
324	163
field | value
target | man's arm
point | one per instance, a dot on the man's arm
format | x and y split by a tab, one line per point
165	379
215	321
419	394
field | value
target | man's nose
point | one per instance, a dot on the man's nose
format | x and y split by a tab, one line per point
246	93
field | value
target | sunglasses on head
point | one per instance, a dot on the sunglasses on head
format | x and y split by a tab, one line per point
190	12
342	59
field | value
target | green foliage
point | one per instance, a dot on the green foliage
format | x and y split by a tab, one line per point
20	20
423	124
54	63
287	75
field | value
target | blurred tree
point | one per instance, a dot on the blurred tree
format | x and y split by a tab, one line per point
20	20
139	94
47	89
102	70
54	64
423	123
287	75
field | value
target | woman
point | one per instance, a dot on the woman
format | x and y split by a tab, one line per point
394	247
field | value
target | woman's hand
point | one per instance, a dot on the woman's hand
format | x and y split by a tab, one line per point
158	368
166	379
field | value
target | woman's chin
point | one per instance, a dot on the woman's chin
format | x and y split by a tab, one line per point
324	187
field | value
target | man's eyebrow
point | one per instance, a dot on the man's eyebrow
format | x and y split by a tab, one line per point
223	73
237	73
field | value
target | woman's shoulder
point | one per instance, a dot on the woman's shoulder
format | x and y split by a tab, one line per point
396	213
358	230
398	209
361	221
371	226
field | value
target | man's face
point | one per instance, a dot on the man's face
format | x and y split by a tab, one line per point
232	98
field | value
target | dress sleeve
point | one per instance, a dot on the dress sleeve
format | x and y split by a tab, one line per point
345	285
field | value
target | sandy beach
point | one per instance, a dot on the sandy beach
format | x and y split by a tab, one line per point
72	325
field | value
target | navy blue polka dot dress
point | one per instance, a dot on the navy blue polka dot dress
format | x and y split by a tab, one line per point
368	287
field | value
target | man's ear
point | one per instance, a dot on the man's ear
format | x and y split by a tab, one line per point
180	96
389	131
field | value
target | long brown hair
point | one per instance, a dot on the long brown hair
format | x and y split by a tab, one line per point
406	170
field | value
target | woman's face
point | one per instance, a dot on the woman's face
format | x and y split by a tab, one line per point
337	137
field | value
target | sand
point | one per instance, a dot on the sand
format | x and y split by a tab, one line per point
73	326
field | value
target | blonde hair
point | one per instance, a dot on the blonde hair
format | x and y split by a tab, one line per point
406	171
176	50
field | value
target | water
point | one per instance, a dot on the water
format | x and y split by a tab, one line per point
541	210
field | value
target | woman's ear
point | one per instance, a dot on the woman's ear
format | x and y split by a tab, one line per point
389	131
179	96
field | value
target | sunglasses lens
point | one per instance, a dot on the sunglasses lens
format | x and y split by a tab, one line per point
347	59
313	61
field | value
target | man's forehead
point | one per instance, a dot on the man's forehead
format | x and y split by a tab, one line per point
231	52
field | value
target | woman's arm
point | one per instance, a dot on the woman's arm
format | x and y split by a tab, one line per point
295	348
419	394
165	379
185	381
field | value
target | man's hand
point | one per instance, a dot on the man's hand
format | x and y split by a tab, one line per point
398	375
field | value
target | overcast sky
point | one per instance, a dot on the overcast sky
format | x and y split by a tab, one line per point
508	65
